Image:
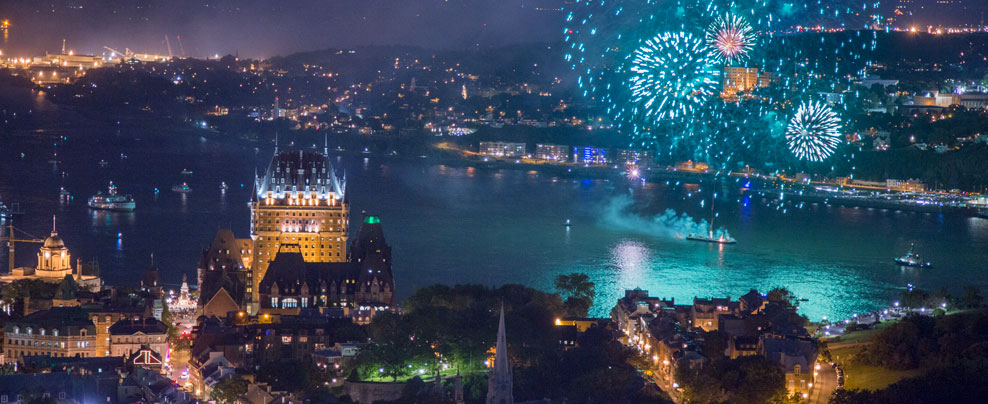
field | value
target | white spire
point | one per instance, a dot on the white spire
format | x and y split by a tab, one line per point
499	386
53	225
325	144
275	142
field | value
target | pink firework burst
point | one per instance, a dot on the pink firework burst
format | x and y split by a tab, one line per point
731	37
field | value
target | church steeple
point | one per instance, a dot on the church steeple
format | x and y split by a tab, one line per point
499	388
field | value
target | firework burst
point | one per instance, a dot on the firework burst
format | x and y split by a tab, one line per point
731	37
814	132
672	74
807	48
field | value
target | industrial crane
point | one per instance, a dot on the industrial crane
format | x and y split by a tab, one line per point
11	239
123	55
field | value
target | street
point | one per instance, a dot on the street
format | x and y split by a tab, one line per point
823	388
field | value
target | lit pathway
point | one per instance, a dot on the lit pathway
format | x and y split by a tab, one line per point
824	387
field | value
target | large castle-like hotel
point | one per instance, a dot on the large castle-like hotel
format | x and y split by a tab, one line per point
299	255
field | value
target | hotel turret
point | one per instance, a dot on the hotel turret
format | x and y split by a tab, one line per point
300	200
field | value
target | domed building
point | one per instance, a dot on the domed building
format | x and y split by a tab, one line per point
54	264
53	259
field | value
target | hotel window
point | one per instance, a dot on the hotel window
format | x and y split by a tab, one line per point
274	302
286	339
305	302
289	303
796	370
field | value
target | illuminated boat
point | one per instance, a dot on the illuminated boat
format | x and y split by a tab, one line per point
186	172
112	201
182	189
911	259
711	239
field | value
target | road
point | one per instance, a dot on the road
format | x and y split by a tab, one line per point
826	382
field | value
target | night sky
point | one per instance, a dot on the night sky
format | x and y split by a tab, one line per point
263	28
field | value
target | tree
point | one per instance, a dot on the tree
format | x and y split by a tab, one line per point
972	297
16	291
229	390
784	296
575	285
289	375
579	292
749	379
395	350
8	369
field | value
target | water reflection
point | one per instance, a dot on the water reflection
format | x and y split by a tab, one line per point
631	259
104	219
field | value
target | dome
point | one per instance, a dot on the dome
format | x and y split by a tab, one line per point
53	241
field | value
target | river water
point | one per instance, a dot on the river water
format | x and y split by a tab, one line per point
487	226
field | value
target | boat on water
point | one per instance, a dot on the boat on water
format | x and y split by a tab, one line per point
64	194
711	238
103	163
722	238
567	224
912	259
186	172
182	189
112	201
223	186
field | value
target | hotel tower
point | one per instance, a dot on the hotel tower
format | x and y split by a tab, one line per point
299	200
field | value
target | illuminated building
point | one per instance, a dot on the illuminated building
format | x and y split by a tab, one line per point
129	336
552	152
590	155
69	60
58	332
224	275
54	264
742	80
301	201
358	288
502	149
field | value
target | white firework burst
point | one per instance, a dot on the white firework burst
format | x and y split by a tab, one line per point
814	132
672	75
731	37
